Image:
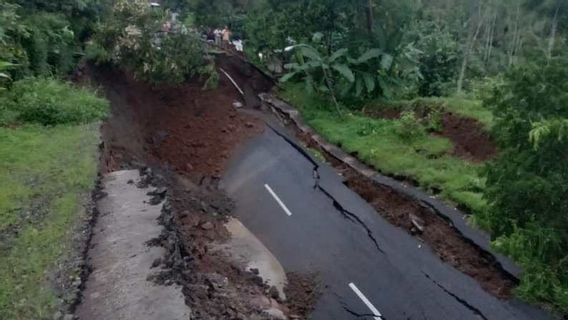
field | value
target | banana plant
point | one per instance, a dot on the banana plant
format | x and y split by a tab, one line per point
337	73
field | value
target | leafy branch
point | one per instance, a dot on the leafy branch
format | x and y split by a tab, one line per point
337	74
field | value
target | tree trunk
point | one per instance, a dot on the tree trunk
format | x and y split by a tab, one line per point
489	48
468	51
370	18
553	29
516	36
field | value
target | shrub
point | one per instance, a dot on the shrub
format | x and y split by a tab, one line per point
96	53
528	184
164	58
409	127
51	102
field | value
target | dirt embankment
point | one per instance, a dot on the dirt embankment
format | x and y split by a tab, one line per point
471	140
187	135
183	128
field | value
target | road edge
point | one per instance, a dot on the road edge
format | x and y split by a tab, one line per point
287	113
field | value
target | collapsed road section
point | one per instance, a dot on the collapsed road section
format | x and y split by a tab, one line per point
254	228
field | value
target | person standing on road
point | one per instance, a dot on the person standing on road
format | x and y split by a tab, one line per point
226	37
217	33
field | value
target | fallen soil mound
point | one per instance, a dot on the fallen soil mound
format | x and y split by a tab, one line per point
215	288
185	128
470	139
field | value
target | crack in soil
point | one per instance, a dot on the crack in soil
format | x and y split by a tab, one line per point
457	298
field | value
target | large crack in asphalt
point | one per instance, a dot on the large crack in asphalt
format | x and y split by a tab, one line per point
351	217
457	298
355	313
293	144
346	213
362	315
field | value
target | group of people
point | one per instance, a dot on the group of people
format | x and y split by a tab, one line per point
224	38
221	37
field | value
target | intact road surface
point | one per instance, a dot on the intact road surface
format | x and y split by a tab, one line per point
368	268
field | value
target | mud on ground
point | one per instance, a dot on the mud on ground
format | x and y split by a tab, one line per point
187	136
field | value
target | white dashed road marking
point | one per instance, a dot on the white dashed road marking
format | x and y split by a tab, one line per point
282	205
376	313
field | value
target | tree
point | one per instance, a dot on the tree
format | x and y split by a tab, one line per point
527	185
338	74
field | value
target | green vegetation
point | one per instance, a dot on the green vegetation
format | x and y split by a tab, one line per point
144	41
43	38
528	184
466	107
50	102
48	148
396	147
46	174
339	75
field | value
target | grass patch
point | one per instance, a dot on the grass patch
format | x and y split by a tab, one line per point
50	102
45	174
462	106
378	143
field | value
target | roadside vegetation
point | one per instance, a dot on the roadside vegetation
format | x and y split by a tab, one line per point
144	41
398	147
377	76
48	150
49	130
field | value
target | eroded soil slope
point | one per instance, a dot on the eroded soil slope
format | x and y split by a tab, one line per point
185	128
181	138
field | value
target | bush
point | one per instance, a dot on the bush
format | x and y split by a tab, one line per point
96	53
409	127
527	185
132	38
165	58
51	102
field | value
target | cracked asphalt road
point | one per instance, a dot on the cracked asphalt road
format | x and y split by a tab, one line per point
368	268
